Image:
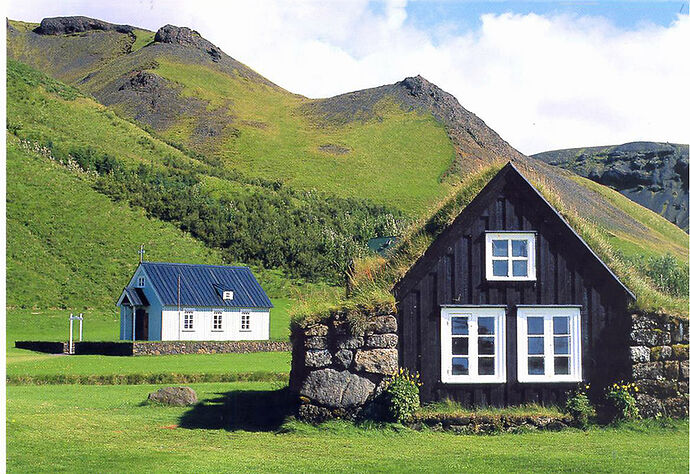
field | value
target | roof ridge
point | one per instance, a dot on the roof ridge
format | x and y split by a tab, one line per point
195	264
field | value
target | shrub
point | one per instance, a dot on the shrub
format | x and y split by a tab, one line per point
579	407
621	402
401	396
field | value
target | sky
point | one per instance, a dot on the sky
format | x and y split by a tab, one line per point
544	75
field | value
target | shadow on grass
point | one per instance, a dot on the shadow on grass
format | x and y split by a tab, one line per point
248	410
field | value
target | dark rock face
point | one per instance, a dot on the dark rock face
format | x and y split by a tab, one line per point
184	36
654	175
62	25
175	396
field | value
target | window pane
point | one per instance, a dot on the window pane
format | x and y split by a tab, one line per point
460	346
486	366
535	325
499	248
520	268
500	268
561	365
561	325
485	325
459	324
535	345
535	365
519	248
485	345
561	345
460	366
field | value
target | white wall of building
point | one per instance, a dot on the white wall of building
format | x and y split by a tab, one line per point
172	328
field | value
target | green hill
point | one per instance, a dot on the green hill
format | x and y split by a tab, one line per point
70	246
268	176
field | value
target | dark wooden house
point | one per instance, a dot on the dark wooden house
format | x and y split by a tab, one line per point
509	305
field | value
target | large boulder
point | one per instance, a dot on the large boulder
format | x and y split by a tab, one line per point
337	389
175	396
183	36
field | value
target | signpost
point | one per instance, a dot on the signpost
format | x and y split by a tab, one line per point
72	318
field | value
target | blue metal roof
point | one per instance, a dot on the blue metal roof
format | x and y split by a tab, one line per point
202	285
135	296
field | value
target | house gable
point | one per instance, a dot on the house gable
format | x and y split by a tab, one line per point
452	274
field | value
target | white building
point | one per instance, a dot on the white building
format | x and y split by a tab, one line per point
181	302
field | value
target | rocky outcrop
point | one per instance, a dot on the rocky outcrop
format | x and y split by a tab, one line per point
174	396
340	362
659	359
654	175
184	36
63	25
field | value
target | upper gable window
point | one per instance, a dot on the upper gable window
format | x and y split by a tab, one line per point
141	282
511	256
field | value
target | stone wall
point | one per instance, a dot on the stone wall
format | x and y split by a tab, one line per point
206	347
659	358
43	346
340	361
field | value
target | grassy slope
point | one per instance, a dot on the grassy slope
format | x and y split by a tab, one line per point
69	246
396	159
132	437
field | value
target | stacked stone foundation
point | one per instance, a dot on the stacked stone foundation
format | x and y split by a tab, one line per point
659	358
340	362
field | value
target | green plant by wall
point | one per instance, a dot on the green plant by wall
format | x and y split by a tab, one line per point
620	400
401	395
579	407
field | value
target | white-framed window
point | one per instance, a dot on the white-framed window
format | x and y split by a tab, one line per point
473	345
245	320
228	294
217	319
511	256
188	321
549	346
141	281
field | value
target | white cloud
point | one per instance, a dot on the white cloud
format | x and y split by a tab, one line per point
541	82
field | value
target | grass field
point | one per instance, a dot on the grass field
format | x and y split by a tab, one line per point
107	429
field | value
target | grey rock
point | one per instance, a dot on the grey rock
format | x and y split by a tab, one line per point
175	396
649	406
671	369
317	358
639	354
377	361
315	342
62	25
316	330
184	36
650	337
336	389
350	343
648	370
382	325
382	340
343	358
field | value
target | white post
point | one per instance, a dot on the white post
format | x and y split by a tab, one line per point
81	318
134	325
71	348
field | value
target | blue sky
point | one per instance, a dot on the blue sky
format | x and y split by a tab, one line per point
544	75
466	15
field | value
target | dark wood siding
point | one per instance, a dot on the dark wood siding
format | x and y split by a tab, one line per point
567	274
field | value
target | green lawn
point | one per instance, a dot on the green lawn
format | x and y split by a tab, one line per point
29	363
107	429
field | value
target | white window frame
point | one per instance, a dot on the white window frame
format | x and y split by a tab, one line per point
217	317
499	315
530	237
188	320
228	294
141	282
575	354
248	326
